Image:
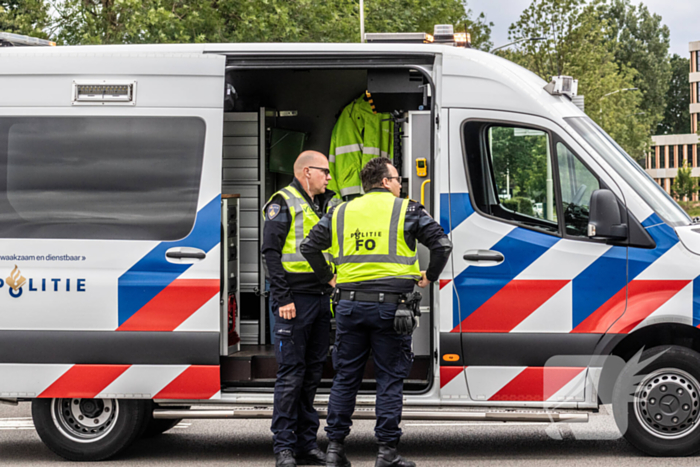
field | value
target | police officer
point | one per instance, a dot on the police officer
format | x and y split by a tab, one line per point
301	305
373	242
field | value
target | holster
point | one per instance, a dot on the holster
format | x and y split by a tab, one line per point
407	312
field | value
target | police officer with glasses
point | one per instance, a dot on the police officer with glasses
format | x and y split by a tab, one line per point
373	240
301	305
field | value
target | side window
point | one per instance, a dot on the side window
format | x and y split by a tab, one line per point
510	171
577	184
130	178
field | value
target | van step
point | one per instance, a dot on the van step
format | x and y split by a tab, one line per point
413	413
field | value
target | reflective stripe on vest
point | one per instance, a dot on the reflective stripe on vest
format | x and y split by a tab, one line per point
292	259
368	240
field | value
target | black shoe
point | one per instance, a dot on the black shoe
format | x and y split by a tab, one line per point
335	455
285	459
312	457
389	457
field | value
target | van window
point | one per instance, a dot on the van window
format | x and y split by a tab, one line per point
131	178
630	171
511	174
577	185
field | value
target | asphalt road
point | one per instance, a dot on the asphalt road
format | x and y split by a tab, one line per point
249	442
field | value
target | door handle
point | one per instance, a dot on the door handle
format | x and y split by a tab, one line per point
484	257
184	255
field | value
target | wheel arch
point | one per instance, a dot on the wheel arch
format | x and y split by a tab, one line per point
645	338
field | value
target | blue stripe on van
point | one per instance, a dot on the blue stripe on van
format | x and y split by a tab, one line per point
606	276
153	273
461	209
475	285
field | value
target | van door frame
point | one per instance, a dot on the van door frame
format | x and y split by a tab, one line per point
326	61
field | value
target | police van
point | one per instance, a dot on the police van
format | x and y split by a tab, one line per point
132	293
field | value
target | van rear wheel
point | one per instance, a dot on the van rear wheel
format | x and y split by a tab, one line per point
88	429
656	401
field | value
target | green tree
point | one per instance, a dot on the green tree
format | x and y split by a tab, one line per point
677	114
28	17
641	41
576	44
338	20
684	185
137	21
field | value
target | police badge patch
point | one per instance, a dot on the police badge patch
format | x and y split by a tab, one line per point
272	211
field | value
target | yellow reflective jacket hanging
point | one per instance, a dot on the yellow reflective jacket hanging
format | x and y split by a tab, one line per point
358	136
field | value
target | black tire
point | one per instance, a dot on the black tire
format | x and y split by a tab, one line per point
656	401
108	426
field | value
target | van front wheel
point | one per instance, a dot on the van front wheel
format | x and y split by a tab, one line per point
656	401
88	429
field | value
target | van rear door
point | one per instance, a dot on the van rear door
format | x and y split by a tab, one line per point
110	221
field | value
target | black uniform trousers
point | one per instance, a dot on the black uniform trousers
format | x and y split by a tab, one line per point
361	327
301	348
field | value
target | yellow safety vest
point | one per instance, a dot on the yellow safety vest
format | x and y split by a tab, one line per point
368	240
304	218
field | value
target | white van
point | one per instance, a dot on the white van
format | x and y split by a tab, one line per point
131	289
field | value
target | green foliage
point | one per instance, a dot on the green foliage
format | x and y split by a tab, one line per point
640	40
684	185
28	17
677	114
519	204
519	163
163	21
577	44
137	21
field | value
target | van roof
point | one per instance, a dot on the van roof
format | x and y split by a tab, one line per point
487	80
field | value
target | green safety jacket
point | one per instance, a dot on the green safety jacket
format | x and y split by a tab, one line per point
368	240
358	136
303	219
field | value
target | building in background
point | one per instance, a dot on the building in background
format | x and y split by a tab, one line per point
669	152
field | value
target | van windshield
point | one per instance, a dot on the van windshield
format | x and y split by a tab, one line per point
630	171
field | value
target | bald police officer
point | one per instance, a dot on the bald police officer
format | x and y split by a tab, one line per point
373	240
301	304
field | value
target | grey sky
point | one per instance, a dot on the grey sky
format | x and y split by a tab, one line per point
681	16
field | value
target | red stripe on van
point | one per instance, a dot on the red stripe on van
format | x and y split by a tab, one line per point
84	381
644	298
171	307
637	301
536	383
511	305
448	373
196	382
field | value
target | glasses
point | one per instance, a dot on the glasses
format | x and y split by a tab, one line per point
398	179
326	172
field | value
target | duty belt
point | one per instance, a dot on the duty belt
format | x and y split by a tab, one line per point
376	297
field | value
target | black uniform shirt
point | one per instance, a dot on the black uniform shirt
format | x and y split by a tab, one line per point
278	221
417	226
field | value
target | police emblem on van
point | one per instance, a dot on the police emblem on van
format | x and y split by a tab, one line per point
15	282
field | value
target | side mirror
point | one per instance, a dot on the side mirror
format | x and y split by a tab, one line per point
605	219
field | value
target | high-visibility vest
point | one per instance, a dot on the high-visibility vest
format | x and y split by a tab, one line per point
359	135
368	240
303	219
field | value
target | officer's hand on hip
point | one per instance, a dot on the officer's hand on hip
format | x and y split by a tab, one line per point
423	282
332	281
288	311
